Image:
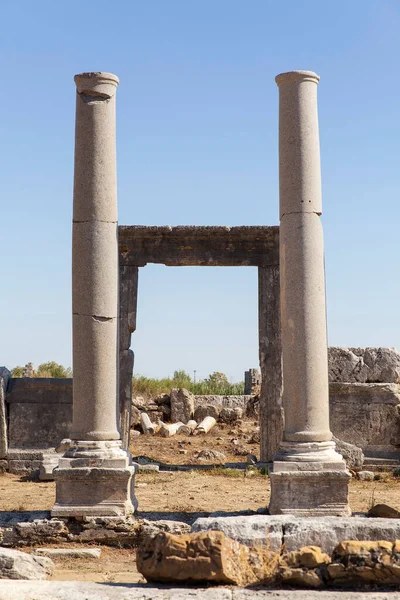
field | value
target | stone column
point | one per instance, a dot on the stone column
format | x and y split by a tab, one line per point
95	475
309	477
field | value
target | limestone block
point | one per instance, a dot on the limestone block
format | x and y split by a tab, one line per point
206	556
230	415
5	376
95	269
257	529
367	415
357	562
147	425
169	429
135	416
69	552
208	410
188	428
364	365
19	565
352	455
182	405
366	475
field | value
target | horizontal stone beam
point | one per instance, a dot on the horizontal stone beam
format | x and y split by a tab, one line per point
198	246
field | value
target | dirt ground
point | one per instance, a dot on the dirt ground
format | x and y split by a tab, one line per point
193	491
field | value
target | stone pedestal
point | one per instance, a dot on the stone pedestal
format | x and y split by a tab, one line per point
309	477
95	475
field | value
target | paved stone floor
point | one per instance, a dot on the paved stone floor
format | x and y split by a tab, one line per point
57	590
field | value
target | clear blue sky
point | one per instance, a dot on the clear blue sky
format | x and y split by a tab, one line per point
197	144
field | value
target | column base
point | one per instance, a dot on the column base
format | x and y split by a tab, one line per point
309	480
95	479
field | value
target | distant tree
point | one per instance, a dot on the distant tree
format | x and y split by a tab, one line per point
182	377
53	369
17	372
217	379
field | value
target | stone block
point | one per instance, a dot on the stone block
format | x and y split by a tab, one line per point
94	491
205	556
309	492
352	455
208	410
182	405
5	377
367	415
69	552
15	564
364	365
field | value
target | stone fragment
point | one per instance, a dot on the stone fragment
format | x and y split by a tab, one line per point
69	552
355	562
366	475
255	437
15	564
161	399
149	469
253	408
147	425
135	416
308	557
205	426
169	429
49	463
308	578
139	402
212	455
364	365
207	410
182	405
383	511
230	415
209	556
152	528
188	428
251	459
353	455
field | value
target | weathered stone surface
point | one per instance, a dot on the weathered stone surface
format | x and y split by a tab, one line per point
230	415
135	416
208	410
222	401
182	405
353	455
40	412
366	475
85	590
364	365
5	377
198	245
355	562
297	532
210	455
152	528
206	556
15	564
367	415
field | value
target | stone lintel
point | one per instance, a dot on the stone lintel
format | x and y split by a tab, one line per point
199	245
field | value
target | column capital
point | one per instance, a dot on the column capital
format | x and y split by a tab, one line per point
296	77
103	85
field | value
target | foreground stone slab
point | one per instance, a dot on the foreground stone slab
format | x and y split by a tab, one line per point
205	557
297	532
69	552
82	590
15	564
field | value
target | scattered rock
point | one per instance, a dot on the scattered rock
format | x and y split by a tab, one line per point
255	437
212	455
364	365
366	475
252	459
353	455
149	468
182	451
240	450
202	412
135	433
230	415
206	556
139	402
15	564
182	405
366	562
135	416
384	511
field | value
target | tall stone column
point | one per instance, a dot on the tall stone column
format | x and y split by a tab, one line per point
309	477
95	475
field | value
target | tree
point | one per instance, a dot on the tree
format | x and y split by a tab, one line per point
182	377
217	379
53	369
17	372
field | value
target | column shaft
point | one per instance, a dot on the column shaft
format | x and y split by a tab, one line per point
95	261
